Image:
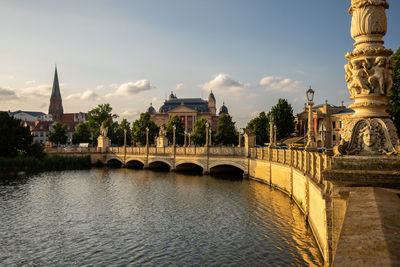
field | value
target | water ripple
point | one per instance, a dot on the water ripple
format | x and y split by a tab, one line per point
127	217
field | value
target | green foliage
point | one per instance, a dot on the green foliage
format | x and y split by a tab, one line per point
97	116
139	129
119	133
394	100
35	150
282	113
179	132
82	134
260	127
226	133
33	164
198	137
59	133
14	138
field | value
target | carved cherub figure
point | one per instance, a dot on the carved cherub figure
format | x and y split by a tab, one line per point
360	76
377	80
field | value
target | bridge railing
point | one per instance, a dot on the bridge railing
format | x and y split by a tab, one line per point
212	151
311	163
54	150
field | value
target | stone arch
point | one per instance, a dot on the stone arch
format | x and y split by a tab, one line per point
160	160
194	162
134	163
114	161
228	163
160	164
189	166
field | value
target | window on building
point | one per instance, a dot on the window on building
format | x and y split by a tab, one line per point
334	137
341	124
334	124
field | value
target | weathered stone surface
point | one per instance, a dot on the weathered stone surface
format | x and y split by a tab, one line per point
369	235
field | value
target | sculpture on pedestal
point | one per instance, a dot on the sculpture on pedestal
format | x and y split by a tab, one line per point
369	77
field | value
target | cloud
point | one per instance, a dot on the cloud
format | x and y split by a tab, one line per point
132	88
7	94
30	82
11	77
223	83
130	114
99	87
281	84
178	86
87	95
39	91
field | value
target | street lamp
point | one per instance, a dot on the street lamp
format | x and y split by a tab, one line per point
185	133
207	127
124	137
209	139
274	135
147	136
310	135
271	131
173	136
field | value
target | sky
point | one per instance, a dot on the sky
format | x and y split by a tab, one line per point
132	53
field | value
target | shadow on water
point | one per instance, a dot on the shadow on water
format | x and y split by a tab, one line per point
227	172
15	178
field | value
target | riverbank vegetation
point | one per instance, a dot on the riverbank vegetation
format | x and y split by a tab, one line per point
46	163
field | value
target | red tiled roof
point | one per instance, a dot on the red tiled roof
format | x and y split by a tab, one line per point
67	117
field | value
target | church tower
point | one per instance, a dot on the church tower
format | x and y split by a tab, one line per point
56	108
212	103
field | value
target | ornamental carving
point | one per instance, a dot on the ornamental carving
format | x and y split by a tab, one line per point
368	137
368	20
369	76
364	3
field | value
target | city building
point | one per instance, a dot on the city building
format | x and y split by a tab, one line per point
189	110
43	124
328	123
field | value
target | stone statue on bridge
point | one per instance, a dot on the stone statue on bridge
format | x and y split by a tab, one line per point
103	130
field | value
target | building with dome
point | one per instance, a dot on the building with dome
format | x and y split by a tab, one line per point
189	110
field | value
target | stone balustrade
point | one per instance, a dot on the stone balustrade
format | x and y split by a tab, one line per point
310	163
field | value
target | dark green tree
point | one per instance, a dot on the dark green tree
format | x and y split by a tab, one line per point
139	129
58	134
394	100
282	113
226	133
82	134
260	127
119	132
97	116
14	138
179	132
198	137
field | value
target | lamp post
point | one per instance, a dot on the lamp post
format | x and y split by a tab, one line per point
310	135
147	136
173	135
184	142
207	127
240	139
274	135
271	131
210	136
124	137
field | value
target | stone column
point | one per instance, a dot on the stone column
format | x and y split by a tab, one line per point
369	77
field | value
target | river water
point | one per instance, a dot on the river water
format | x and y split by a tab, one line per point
119	217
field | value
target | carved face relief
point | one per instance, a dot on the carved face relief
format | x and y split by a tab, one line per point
369	137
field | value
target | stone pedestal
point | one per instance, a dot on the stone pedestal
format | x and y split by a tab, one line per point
162	141
369	75
103	142
249	141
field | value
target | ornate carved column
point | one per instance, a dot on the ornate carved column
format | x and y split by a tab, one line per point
369	77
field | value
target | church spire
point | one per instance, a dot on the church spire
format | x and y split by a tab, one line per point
56	108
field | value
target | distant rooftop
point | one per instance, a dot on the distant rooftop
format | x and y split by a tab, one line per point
32	113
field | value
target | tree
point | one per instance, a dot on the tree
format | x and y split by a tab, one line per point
119	133
198	137
139	129
282	113
97	116
14	138
59	133
394	100
260	127
179	132
226	133
82	134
